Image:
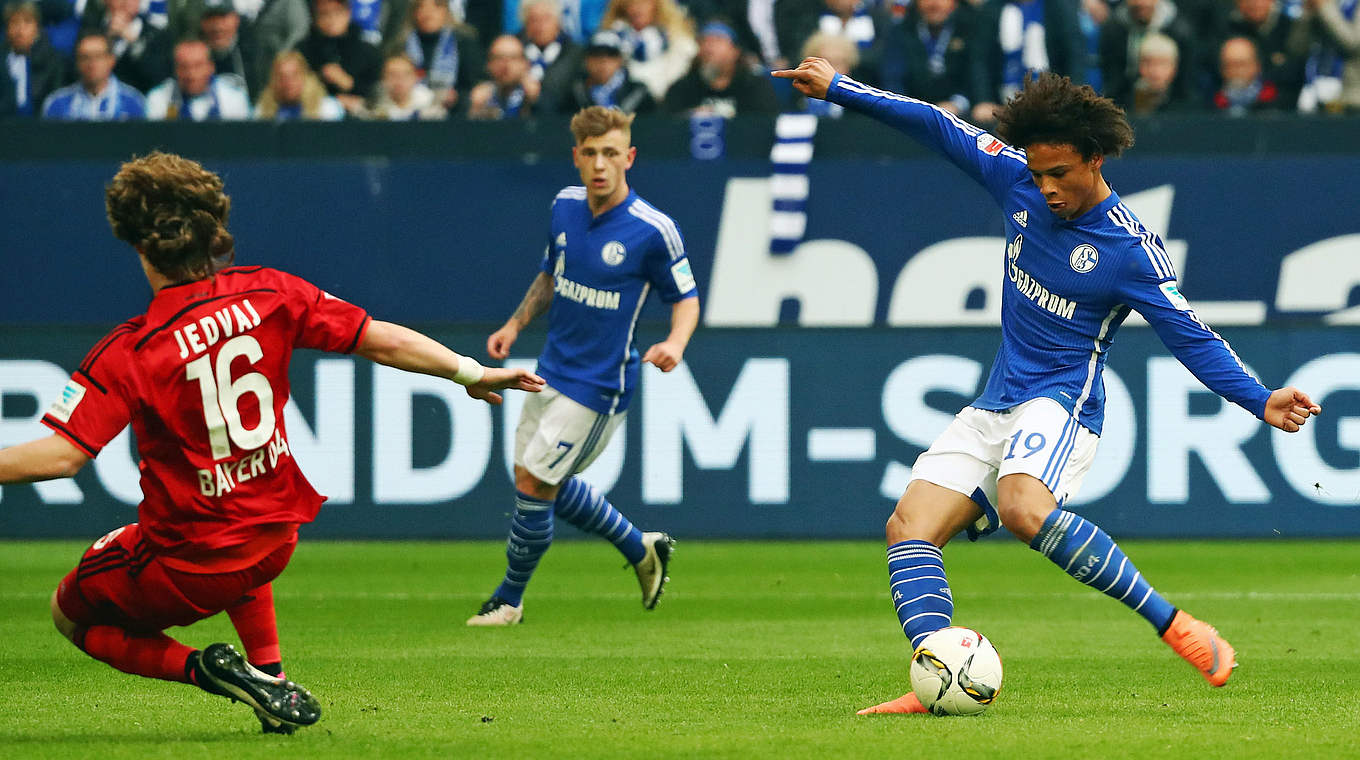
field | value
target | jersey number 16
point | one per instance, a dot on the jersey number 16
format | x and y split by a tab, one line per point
222	396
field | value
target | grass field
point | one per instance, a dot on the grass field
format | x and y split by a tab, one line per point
756	650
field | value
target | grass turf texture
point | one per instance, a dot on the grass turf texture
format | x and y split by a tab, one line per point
756	650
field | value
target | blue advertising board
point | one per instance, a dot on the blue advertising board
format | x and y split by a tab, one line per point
908	242
762	432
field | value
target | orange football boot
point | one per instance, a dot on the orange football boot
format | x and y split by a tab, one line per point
1200	645
907	703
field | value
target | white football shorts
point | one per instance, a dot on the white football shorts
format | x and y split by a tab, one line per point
558	437
1039	438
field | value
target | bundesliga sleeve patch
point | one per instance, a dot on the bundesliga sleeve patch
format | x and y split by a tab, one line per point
684	279
65	406
1173	295
990	145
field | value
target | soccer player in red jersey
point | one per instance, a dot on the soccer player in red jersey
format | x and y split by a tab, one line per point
202	377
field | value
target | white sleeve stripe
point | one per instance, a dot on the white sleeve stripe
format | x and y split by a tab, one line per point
963	126
1126	219
1162	268
575	192
663	224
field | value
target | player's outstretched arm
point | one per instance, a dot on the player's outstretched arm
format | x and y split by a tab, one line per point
535	302
42	459
812	77
1288	409
401	347
667	354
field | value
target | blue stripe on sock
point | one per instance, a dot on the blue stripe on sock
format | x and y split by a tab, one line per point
531	533
584	506
1087	553
919	588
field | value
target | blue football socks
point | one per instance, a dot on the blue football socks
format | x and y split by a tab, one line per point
582	505
1088	554
531	533
920	592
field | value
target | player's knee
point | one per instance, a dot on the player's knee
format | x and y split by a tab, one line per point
62	623
529	484
1022	519
906	525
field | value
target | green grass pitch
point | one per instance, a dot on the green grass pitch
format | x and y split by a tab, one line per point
756	650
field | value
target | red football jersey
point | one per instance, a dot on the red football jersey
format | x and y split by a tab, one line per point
203	378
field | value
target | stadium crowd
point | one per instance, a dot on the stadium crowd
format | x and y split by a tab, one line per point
204	60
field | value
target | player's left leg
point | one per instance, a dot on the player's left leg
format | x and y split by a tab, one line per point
256	624
1046	465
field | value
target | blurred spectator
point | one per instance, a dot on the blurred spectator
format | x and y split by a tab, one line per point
1244	89
1091	18
231	50
1269	28
928	55
718	82
446	54
142	49
797	20
580	18
382	22
1159	88
485	16
511	93
605	80
1020	37
658	40
61	24
97	95
1123	35
294	92
1332	72
402	96
266	28
348	65
554	57
33	70
843	55
195	93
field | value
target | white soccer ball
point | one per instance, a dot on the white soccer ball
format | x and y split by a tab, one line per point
956	671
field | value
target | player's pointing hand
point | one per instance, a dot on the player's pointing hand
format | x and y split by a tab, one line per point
812	77
1288	408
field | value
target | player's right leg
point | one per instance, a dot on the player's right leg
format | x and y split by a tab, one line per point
936	506
119	598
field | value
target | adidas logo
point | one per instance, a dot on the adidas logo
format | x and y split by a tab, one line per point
1021	217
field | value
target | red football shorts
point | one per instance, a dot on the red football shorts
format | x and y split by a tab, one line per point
121	582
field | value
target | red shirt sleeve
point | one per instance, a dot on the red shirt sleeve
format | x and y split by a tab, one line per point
327	323
92	409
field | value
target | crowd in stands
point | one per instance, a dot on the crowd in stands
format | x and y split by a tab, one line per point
203	60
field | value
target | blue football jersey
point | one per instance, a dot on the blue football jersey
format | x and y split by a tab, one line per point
1069	284
603	269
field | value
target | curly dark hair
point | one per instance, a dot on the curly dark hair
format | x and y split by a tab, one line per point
1052	109
174	211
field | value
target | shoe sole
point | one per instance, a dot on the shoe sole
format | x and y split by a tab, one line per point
663	548
230	672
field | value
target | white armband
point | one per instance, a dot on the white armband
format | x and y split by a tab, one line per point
469	371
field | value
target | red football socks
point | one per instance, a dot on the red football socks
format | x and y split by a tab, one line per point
152	655
256	625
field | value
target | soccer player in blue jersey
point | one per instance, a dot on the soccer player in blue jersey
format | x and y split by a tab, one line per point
1077	261
607	249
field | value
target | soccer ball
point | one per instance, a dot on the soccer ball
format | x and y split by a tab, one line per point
956	671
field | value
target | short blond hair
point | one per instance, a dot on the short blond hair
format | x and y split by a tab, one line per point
595	121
